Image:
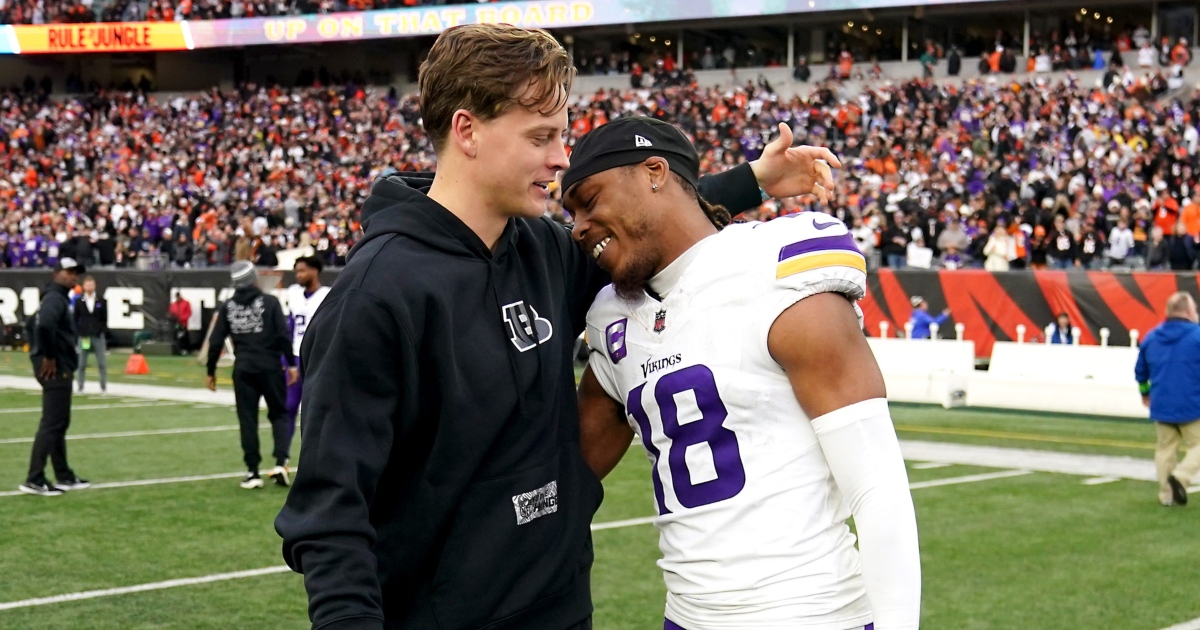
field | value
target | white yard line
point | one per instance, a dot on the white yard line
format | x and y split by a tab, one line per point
124	434
1187	625
646	520
952	481
219	577
930	465
1098	481
144	482
140	588
140	403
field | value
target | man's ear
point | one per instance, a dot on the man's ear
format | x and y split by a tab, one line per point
657	170
464	128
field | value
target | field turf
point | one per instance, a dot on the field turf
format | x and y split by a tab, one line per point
1027	552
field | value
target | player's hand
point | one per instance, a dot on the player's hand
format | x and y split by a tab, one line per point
48	369
945	311
211	383
787	171
293	375
1146	401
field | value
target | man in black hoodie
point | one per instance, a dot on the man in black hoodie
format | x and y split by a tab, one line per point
255	322
443	485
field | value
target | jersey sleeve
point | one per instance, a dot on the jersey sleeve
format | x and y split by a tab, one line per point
605	337
808	254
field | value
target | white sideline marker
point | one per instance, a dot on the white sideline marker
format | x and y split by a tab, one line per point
140	588
122	434
1003	474
141	403
930	465
1097	481
1187	625
219	577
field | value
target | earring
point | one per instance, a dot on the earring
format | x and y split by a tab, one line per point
653	186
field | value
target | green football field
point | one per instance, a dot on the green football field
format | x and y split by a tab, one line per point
1027	551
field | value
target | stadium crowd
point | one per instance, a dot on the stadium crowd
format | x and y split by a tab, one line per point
989	172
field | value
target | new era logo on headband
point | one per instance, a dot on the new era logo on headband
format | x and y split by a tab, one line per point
641	141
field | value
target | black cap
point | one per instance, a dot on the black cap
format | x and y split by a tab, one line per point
68	263
628	141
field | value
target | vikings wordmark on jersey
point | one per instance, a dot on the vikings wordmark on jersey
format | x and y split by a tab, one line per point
752	526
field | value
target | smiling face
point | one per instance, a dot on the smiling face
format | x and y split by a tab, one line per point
616	225
518	155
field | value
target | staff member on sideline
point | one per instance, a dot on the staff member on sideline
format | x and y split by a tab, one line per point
1169	378
443	485
255	322
52	350
91	321
921	319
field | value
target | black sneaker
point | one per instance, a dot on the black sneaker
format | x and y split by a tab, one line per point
73	483
279	475
1178	492
43	488
252	481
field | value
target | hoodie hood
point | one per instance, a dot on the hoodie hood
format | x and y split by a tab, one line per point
398	204
246	295
1175	329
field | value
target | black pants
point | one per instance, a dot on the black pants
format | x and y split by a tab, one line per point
586	624
248	389
51	439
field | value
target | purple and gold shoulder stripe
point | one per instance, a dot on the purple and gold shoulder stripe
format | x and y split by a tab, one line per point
817	253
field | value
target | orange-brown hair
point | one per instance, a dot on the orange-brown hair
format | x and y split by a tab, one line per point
486	69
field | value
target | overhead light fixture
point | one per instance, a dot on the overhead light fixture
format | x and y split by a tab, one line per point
1083	11
850	24
668	42
879	31
1097	15
1110	19
864	27
653	39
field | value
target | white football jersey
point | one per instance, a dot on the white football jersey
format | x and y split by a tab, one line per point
752	526
302	308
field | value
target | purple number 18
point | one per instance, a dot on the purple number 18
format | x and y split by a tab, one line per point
710	429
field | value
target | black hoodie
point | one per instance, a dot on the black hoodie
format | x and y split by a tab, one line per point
443	485
52	330
259	330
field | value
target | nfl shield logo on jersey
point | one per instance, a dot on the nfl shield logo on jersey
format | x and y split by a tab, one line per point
616	340
660	320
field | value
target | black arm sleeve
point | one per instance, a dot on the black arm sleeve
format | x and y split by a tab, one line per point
354	356
52	310
736	189
283	342
216	339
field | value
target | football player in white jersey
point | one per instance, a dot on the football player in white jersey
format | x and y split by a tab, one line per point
737	357
303	298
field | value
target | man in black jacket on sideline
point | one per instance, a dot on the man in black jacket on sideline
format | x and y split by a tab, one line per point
255	322
443	485
91	322
52	350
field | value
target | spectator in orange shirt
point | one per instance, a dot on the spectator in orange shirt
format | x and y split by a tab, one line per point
1181	55
1191	215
